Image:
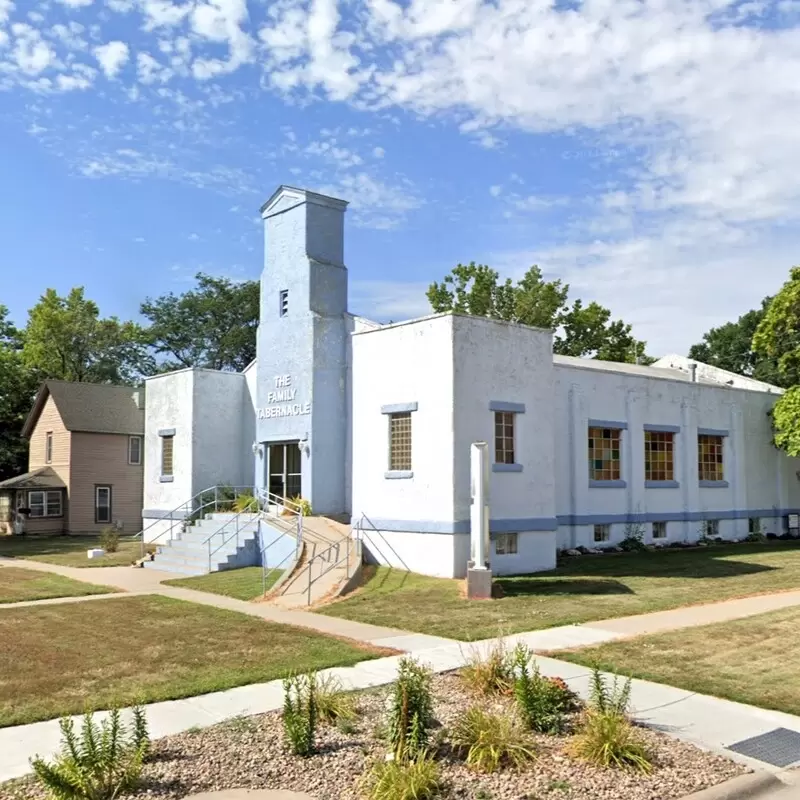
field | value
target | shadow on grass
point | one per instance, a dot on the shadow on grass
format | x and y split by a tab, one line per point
519	587
16	546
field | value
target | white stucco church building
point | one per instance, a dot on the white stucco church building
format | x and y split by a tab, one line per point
376	421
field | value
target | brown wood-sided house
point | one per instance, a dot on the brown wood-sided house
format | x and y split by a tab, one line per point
85	461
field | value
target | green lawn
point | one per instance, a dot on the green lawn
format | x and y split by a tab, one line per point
69	551
18	585
72	657
586	588
246	583
752	660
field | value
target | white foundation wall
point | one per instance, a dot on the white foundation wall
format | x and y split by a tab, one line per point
426	553
758	478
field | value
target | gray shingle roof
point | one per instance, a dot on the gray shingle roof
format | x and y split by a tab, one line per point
42	478
92	407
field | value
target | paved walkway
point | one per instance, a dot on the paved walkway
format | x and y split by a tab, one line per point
708	722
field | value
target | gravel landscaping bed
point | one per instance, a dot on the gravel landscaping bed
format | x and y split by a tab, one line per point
248	752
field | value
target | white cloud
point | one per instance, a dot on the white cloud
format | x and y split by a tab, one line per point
496	190
222	21
31	54
112	57
69	83
76	3
385	301
193	237
378	152
150	70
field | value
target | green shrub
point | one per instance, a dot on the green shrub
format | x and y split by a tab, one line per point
245	501
633	542
417	779
489	741
109	540
100	763
755	536
543	703
300	713
334	705
490	674
607	739
411	710
301	504
612	699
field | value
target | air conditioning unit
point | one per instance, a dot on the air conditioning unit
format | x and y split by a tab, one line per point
118	525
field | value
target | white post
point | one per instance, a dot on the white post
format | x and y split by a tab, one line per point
479	575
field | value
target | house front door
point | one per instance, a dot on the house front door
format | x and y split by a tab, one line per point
284	470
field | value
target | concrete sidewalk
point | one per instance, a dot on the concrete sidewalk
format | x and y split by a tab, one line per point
707	722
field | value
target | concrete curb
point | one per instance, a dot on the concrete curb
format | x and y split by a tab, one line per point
743	787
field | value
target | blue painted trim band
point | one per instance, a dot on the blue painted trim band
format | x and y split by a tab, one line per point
460	526
663	428
501	405
506	467
166	479
714	484
673	516
662	485
397	474
399	408
607	484
712	432
167	432
607	423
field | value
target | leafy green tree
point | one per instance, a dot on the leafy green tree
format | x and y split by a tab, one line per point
730	347
66	339
17	389
212	326
580	330
778	337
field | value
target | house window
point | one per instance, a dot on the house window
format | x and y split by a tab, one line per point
135	450
709	458
166	455
602	533
505	544
504	437
45	504
102	504
400	441
48	447
283	298
604	450
659	530
658	456
711	528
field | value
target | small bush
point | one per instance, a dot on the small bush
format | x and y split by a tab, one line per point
245	501
300	713
417	779
492	674
607	739
633	541
109	540
755	536
411	710
609	699
101	763
334	705
489	741
303	505
543	703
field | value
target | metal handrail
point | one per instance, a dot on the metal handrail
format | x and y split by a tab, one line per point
248	509
189	508
325	556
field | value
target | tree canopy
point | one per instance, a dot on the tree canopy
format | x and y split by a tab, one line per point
580	330
213	326
730	347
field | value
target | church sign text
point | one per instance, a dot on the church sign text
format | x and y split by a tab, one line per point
284	394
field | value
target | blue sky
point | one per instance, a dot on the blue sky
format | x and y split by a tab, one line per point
645	151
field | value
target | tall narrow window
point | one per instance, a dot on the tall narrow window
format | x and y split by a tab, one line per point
400	441
504	437
36	503
283	302
709	458
166	455
135	450
48	448
604	450
659	449
102	504
53	506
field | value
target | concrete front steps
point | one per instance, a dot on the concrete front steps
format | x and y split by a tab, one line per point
188	553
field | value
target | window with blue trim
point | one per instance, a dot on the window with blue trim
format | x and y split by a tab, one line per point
504	437
709	458
604	454
659	449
